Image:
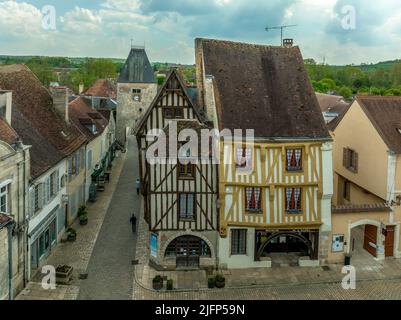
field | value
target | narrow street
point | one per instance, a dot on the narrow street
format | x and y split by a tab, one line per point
110	270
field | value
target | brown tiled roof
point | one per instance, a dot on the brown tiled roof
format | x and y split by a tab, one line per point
42	153
7	134
4	219
385	115
354	208
40	124
331	103
81	114
262	88
102	88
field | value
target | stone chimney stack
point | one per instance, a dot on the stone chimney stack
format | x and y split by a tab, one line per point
60	101
6	100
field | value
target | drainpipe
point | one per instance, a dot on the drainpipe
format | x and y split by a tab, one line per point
10	227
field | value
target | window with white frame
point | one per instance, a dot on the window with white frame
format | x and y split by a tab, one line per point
5	199
238	241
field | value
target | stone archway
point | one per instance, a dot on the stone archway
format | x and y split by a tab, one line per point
365	239
189	234
298	236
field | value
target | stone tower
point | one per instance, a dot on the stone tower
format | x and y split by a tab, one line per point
136	89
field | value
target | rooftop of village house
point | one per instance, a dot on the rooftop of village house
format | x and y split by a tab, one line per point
264	88
35	120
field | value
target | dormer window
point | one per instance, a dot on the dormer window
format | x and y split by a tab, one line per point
92	128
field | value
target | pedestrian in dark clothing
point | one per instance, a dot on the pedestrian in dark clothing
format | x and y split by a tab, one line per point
133	222
138	186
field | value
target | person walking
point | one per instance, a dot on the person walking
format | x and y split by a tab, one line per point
138	186
133	222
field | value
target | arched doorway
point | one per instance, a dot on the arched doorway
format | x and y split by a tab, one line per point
365	238
187	250
286	245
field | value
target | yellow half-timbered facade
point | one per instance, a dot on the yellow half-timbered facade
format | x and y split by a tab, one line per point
275	185
274	196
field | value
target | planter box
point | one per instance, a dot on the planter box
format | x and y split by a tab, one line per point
64	274
308	263
83	222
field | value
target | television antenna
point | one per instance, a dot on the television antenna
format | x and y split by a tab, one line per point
281	28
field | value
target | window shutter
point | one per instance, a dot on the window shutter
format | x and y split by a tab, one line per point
78	162
70	167
345	157
41	197
48	191
355	164
57	182
32	201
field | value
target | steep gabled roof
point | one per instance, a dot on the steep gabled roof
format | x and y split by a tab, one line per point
263	88
43	154
103	88
36	121
81	114
137	68
385	115
331	103
173	73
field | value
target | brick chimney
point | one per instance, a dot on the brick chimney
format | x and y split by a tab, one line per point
6	99
60	101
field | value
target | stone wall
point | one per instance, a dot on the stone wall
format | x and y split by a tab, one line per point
130	111
12	167
3	264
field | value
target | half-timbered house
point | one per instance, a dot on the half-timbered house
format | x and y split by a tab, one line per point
180	196
275	193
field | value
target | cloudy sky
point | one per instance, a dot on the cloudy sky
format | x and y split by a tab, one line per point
326	29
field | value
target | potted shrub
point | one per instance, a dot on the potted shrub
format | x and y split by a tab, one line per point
83	215
71	234
211	281
157	282
170	285
220	281
83	219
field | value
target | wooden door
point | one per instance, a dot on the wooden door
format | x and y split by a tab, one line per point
389	243
370	238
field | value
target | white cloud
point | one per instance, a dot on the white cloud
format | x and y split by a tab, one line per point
105	27
18	20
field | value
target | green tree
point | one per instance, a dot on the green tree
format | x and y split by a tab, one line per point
345	92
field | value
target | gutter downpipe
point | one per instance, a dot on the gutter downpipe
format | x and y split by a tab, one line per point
10	227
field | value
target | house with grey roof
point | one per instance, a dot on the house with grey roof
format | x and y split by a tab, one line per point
136	89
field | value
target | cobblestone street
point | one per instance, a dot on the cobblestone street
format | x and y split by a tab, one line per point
110	271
